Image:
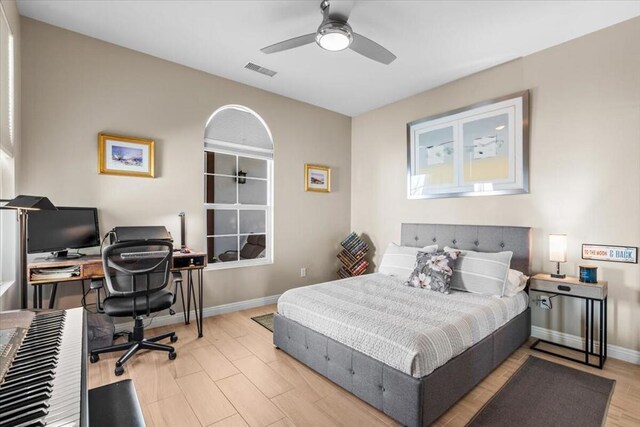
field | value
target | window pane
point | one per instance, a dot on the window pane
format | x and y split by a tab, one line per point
252	222
222	221
253	246
253	192
220	163
255	168
221	189
222	249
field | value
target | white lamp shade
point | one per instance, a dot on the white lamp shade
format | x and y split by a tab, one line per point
558	247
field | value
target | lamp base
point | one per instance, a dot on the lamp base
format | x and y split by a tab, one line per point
558	276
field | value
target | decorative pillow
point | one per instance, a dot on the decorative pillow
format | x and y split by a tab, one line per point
516	282
433	271
481	272
399	261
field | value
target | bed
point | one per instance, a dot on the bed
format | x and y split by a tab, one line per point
420	379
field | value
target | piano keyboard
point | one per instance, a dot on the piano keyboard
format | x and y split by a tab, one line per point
45	384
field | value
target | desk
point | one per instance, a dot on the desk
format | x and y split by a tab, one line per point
90	267
589	292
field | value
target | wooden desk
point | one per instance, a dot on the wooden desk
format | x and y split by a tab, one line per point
91	268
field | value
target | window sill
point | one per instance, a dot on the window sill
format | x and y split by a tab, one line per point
237	264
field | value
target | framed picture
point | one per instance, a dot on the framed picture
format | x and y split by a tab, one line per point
122	155
482	149
317	178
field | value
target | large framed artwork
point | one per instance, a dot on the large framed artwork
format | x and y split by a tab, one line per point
479	150
123	155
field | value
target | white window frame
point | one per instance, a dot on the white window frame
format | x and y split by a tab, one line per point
268	208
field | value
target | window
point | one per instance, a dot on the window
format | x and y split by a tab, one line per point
238	171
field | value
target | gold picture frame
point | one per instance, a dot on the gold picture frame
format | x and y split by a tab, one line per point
317	178
126	156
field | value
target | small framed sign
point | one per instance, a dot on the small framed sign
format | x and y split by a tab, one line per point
626	254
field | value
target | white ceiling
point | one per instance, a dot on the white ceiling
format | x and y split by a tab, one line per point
435	42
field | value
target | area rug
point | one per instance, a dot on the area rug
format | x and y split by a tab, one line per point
543	393
265	320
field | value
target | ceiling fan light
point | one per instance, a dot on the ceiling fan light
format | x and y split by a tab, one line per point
334	36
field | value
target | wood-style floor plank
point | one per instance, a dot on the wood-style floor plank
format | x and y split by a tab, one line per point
207	401
232	421
237	363
173	411
214	363
253	406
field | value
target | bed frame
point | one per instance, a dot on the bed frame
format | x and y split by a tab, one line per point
409	400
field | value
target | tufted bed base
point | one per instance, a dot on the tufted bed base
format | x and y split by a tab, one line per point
410	401
419	401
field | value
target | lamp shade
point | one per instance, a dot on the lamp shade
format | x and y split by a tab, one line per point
35	203
558	247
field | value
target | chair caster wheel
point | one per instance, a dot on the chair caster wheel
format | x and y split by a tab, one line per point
119	371
94	358
174	338
172	355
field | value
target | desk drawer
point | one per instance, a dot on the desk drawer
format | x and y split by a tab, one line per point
582	290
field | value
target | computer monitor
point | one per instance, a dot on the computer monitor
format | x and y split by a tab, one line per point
58	231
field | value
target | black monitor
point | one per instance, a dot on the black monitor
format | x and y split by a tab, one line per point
66	228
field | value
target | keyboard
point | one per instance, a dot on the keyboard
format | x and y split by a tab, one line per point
42	363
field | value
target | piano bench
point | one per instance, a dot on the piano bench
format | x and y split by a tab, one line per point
115	405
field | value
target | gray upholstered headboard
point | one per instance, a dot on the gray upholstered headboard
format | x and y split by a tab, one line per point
482	238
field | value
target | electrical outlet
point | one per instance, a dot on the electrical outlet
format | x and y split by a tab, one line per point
303	272
544	302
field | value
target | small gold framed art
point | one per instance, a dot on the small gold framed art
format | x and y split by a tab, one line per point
317	178
123	155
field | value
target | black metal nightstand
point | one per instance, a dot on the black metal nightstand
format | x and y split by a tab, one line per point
590	292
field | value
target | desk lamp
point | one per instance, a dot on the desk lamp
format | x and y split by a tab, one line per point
558	252
24	204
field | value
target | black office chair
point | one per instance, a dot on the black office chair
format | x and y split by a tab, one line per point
136	275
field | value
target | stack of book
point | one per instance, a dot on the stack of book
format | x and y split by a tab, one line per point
353	256
55	273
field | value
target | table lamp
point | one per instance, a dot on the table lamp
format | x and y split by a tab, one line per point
558	252
24	204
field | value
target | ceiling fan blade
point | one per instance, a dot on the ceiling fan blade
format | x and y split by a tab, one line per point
371	49
340	9
290	44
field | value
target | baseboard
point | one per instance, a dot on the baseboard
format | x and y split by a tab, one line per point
167	319
614	351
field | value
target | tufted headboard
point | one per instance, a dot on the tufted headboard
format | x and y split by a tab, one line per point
481	238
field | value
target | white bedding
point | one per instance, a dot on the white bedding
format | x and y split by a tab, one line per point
413	330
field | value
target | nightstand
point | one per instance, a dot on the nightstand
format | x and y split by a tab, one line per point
589	292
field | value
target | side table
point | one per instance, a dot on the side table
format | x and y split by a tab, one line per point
590	293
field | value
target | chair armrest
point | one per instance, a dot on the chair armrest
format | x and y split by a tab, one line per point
96	284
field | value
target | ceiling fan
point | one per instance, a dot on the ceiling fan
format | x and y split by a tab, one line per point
335	34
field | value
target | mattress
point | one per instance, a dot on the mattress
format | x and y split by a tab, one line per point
410	329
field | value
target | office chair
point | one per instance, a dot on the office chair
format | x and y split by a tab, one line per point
136	275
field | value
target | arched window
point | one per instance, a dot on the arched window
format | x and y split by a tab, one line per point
238	168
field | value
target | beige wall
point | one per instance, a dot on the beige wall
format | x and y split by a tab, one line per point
8	225
585	164
76	86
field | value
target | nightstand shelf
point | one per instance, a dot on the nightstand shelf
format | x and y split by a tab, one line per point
590	292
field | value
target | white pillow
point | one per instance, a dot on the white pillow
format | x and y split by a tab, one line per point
481	272
516	282
400	261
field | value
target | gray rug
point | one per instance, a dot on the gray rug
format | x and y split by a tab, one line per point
543	393
265	320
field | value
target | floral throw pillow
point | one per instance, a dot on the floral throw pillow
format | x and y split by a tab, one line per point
433	271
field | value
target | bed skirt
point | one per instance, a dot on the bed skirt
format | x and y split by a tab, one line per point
409	400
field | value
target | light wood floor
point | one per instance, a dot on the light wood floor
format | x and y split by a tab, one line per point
233	376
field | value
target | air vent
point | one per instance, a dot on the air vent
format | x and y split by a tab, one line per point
258	69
